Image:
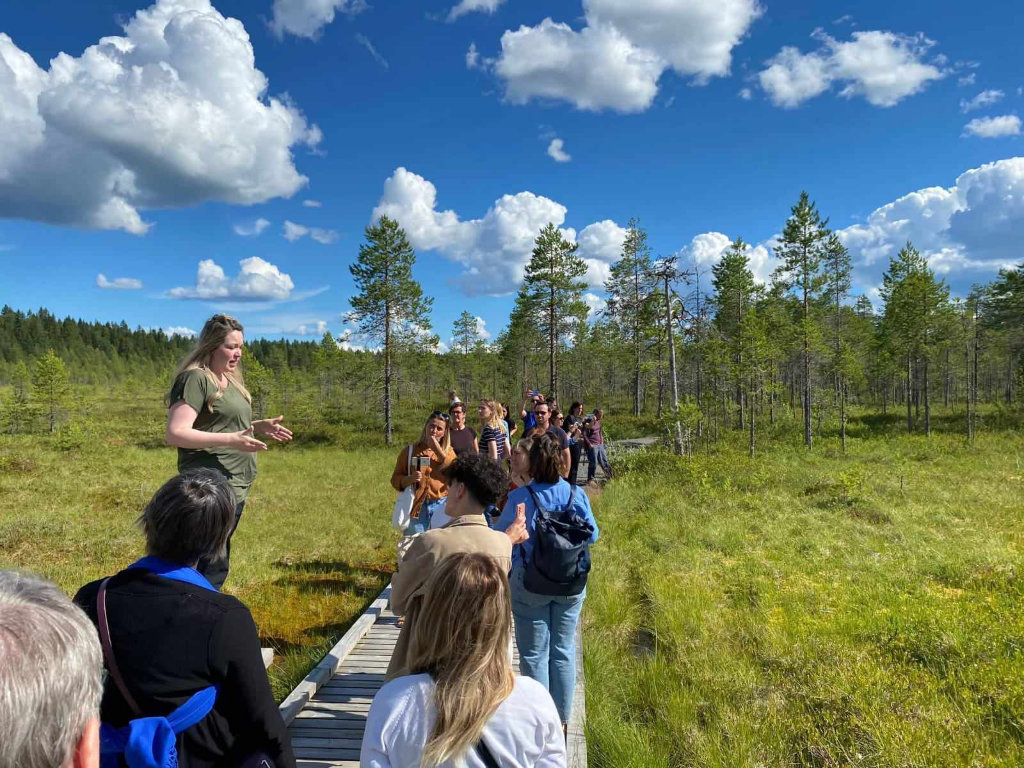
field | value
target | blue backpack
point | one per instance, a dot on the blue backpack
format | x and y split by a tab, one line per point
148	742
561	550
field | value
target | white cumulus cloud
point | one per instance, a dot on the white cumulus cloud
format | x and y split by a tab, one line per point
306	18
118	283
600	247
471	6
595	304
556	151
974	226
257	280
706	249
312	204
178	330
492	250
171	114
616	59
983	99
993	127
293	232
316	328
882	67
252	228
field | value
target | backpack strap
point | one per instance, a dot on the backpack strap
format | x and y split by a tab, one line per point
533	494
108	649
485	754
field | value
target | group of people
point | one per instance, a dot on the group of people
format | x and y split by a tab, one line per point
182	661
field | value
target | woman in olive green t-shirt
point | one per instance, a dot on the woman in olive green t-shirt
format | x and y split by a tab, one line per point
210	419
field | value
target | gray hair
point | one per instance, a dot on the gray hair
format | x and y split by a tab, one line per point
51	669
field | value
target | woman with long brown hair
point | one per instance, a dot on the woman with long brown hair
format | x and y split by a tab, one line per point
463	703
545	623
422	465
209	420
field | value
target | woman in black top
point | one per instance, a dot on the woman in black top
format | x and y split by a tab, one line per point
172	634
573	427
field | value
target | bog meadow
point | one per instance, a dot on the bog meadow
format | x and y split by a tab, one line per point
835	584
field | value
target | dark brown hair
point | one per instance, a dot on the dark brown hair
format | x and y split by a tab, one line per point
545	459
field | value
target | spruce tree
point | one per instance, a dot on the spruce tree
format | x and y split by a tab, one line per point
389	307
553	292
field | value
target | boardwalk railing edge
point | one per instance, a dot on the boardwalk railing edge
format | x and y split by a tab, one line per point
329	664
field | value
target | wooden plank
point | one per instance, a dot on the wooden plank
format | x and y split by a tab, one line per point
303	743
313	717
576	743
327	763
326	733
324	752
268	657
323	671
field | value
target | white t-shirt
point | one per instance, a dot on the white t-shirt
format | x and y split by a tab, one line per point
525	732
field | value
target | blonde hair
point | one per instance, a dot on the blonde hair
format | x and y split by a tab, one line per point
446	441
215	330
495	420
461	638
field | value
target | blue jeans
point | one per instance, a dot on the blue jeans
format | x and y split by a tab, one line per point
546	636
596	455
421	524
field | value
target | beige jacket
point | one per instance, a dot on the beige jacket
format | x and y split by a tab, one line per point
468	533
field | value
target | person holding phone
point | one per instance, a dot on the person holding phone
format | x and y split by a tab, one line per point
424	469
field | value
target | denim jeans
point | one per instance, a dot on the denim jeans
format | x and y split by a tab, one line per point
596	455
546	636
421	524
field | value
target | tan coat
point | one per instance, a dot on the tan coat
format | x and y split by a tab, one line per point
468	533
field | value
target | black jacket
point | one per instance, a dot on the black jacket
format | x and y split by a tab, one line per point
171	640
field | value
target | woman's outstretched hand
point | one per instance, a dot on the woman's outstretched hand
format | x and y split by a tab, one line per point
273	429
244	441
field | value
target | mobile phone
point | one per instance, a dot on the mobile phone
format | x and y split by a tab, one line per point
420	462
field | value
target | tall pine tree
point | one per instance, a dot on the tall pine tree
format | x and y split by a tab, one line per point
390	307
801	250
553	292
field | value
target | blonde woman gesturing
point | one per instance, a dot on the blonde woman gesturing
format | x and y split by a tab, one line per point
463	704
209	420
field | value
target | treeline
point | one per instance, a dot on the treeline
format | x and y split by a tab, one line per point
701	351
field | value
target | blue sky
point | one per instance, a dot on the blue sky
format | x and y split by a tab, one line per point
141	159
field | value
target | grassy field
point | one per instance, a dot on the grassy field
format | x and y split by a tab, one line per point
811	609
793	610
314	547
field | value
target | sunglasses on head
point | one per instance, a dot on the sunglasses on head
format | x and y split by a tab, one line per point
440	415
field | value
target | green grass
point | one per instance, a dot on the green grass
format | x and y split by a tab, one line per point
313	549
813	609
796	609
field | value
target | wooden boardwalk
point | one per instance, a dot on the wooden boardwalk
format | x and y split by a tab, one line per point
326	713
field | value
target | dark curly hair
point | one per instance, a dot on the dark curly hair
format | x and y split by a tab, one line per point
485	480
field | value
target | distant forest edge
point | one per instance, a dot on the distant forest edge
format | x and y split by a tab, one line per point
799	350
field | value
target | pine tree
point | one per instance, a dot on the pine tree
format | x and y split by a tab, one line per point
553	292
838	269
50	386
389	306
633	300
259	382
734	288
915	307
803	245
19	406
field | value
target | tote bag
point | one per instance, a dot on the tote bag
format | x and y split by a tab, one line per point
401	515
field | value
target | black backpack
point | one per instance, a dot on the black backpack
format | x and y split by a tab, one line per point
561	550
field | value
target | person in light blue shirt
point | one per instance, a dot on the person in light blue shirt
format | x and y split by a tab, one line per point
545	625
